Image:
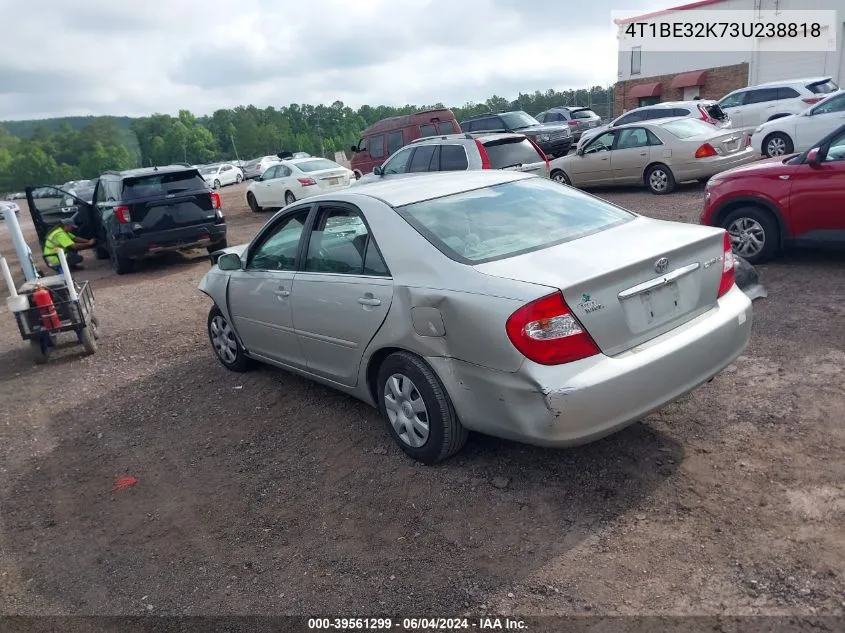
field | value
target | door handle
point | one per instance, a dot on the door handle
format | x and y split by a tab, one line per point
643	153
369	301
282	292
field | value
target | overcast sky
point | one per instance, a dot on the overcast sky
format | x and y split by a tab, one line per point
136	57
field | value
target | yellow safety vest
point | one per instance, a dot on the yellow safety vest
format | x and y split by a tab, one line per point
57	239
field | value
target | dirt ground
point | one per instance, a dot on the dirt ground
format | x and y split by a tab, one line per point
264	493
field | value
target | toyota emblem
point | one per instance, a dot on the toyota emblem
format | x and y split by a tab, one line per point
661	265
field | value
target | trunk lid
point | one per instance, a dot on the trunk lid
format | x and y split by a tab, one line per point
330	179
617	283
729	142
516	154
172	200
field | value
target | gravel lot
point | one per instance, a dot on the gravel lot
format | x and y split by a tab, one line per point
266	494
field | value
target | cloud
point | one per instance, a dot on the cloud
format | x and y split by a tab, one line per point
106	57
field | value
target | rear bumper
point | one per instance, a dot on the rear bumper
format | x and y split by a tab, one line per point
582	401
197	236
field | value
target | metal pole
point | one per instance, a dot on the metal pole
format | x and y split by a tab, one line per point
18	241
235	147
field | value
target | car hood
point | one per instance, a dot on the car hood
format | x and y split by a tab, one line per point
768	165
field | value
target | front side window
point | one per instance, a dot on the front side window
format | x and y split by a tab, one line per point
341	244
423	158
836	104
836	151
278	249
733	100
271	173
399	163
601	144
509	219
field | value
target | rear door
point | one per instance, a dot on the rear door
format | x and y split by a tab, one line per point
759	105
516	154
341	295
630	155
166	201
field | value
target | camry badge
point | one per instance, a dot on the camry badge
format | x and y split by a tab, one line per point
661	265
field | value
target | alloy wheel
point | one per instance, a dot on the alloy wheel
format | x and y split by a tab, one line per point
748	237
776	146
658	180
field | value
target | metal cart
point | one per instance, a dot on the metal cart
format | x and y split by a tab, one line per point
74	315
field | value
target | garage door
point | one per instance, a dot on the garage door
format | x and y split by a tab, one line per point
780	65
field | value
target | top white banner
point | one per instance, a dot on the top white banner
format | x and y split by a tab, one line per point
700	30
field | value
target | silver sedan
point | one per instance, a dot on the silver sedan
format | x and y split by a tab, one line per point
484	301
657	154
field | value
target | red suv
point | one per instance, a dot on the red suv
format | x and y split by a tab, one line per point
794	200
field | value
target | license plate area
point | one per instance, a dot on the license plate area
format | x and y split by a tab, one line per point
653	308
334	181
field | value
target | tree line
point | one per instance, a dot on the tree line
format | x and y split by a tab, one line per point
55	151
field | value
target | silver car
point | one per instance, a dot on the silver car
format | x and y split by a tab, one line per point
657	154
580	119
486	301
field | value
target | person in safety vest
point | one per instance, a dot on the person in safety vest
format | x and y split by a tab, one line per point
61	237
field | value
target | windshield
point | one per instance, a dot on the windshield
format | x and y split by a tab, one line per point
162	184
317	165
517	120
823	87
685	128
509	219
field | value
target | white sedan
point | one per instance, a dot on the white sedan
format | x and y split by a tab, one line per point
220	175
800	132
294	179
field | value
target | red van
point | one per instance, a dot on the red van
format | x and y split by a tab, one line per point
384	137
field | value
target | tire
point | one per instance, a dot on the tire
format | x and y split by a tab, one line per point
289	198
223	338
217	246
88	338
445	434
239	179
745	222
121	265
253	203
659	179
96	329
560	177
777	144
216	184
39	353
101	253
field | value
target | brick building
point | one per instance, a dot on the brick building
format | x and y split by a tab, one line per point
647	77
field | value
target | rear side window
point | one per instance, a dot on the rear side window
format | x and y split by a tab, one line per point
162	184
761	95
787	93
427	130
678	112
511	153
423	158
823	87
395	141
453	158
375	145
633	117
509	219
584	114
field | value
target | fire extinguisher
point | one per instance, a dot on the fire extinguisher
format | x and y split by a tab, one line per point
49	318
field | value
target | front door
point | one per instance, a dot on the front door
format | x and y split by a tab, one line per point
816	210
49	206
342	294
630	155
592	167
260	294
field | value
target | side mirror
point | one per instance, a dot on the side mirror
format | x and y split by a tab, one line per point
353	149
229	261
378	171
814	156
579	151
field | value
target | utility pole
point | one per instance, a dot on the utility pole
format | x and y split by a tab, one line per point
185	151
235	147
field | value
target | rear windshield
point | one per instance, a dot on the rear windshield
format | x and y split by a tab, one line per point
715	111
317	165
162	184
685	128
511	152
509	219
586	113
823	87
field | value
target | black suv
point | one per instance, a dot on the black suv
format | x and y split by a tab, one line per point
554	139
137	213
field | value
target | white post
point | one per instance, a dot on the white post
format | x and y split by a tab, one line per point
7	276
71	290
18	241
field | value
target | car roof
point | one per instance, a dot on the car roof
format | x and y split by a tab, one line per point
467	136
305	159
788	82
149	171
398	192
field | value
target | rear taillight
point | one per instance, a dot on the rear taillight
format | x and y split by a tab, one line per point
215	200
705	116
572	122
485	159
541	153
747	140
705	151
728	276
812	100
307	182
122	214
546	332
